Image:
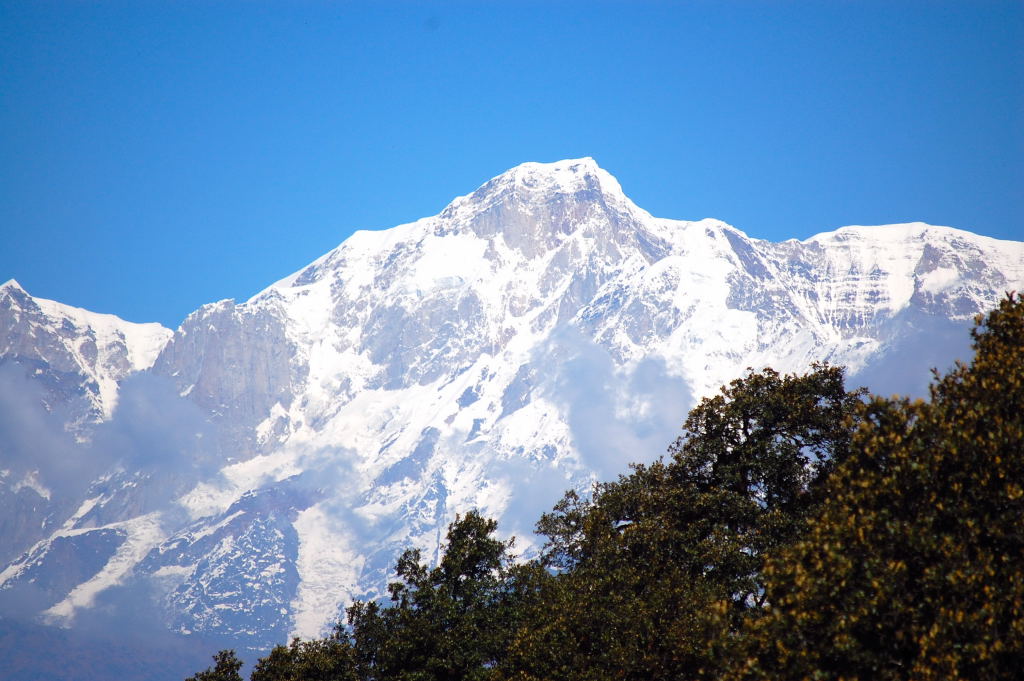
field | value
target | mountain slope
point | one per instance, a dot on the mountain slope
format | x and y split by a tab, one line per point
60	369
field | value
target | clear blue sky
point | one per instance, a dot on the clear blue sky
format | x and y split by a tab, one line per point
155	156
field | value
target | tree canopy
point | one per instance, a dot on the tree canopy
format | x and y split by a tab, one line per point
225	668
451	622
914	566
657	568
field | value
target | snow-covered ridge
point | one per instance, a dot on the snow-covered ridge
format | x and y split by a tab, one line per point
101	347
916	259
144	341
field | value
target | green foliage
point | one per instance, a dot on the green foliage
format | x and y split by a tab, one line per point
326	659
914	567
449	622
225	668
659	568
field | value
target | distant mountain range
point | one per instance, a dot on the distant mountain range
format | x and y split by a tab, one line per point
247	475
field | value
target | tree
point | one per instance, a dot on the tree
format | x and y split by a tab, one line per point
225	668
324	659
658	569
914	565
450	622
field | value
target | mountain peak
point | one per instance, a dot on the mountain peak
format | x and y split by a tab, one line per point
563	191
582	165
13	294
534	180
566	176
12	284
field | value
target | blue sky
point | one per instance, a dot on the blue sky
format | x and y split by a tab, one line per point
157	156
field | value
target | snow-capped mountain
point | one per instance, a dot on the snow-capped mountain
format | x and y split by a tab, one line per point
263	465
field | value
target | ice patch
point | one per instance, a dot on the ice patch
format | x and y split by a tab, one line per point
328	569
450	261
144	533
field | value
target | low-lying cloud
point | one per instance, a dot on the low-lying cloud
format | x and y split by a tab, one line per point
617	416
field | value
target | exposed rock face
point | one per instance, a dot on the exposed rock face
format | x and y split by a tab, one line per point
538	333
235	362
